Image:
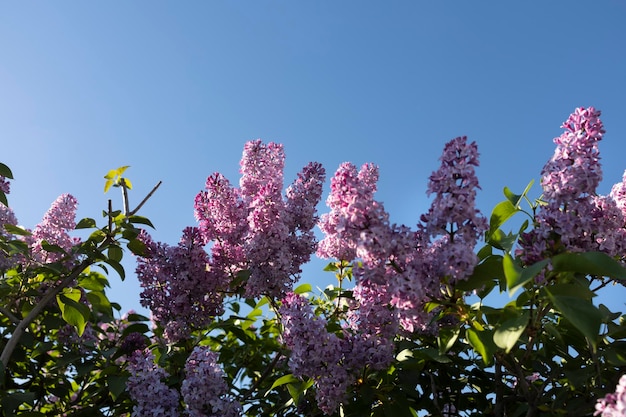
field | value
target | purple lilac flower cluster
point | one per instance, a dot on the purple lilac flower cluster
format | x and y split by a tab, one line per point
178	284
145	385
253	227
613	404
53	229
204	390
574	217
403	266
315	353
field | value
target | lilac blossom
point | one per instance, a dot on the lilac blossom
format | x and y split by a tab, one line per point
5	185
53	229
613	404
453	223
204	390
147	388
302	197
574	169
315	353
7	217
574	217
618	194
357	225
179	287
373	323
254	228
453	211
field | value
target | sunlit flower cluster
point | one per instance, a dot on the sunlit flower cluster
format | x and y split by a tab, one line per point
315	353
254	227
178	285
54	228
574	218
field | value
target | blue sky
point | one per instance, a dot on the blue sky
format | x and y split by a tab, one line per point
174	89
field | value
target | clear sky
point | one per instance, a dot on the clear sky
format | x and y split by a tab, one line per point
175	89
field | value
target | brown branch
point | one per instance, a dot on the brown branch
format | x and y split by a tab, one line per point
132	213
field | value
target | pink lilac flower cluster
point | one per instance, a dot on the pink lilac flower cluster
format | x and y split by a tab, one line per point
53	229
5	185
147	388
613	404
357	226
6	217
618	194
204	390
315	353
397	269
574	217
453	220
253	227
252	231
574	169
178	284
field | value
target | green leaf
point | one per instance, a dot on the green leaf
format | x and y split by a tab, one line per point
303	288
16	230
517	277
500	214
3	199
116	385
114	173
72	311
509	332
5	171
137	247
100	302
483	343
503	241
86	223
287	379
126	182
331	267
446	339
484	273
118	268
115	253
141	220
52	248
107	185
583	315
589	263
93	281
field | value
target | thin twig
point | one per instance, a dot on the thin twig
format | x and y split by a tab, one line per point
264	375
145	199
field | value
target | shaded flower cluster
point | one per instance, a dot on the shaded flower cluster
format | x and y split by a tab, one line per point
178	284
315	353
204	390
147	388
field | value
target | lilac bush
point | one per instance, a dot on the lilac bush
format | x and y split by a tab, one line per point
397	335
